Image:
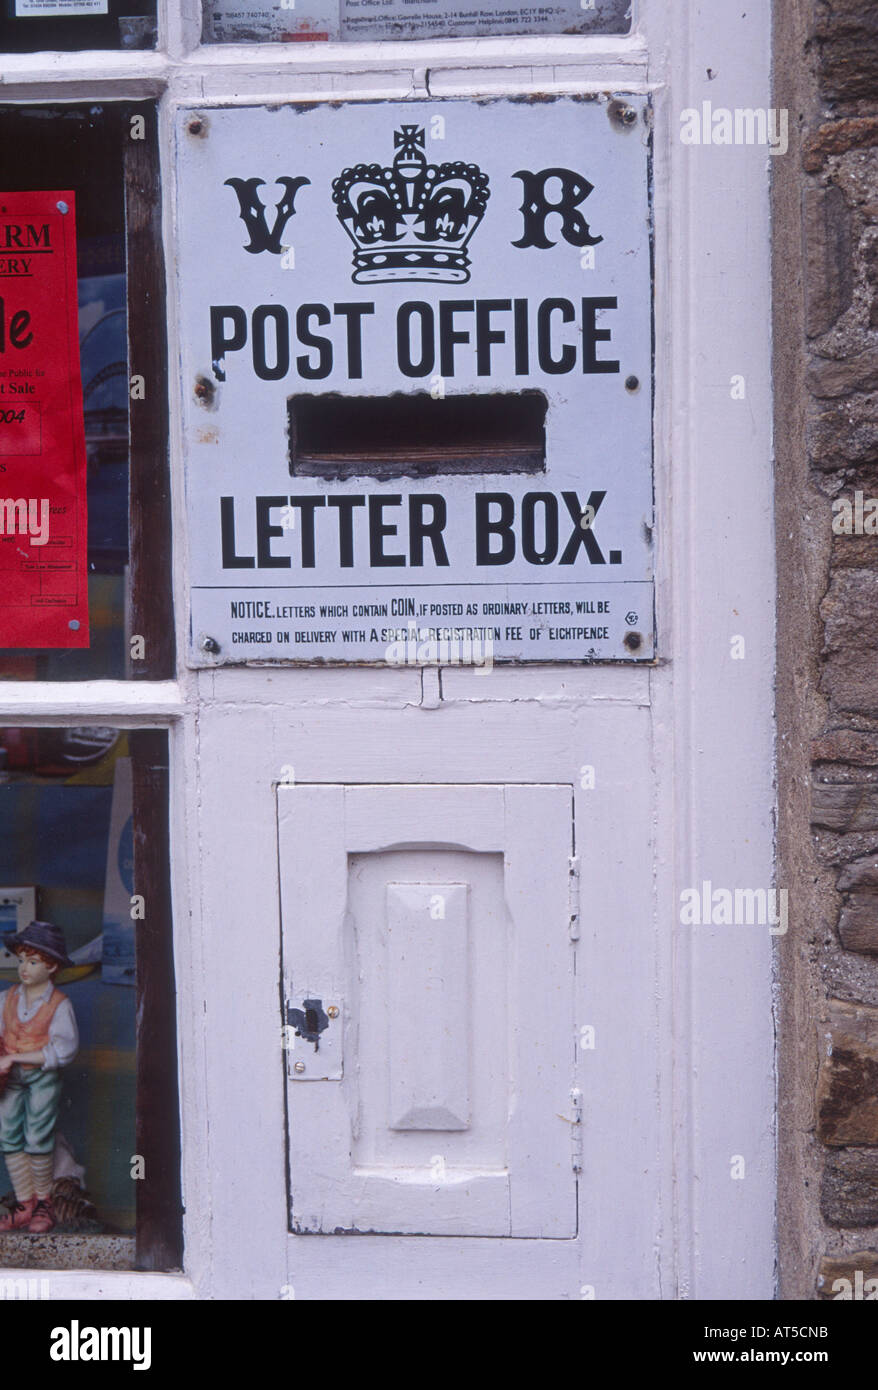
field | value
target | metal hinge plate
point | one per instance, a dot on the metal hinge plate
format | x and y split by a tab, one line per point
573	895
576	1130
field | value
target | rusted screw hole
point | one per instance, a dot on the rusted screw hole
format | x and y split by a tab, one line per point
633	641
205	391
632	383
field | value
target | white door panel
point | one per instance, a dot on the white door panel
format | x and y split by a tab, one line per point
426	938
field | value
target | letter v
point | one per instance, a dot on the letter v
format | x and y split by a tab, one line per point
252	212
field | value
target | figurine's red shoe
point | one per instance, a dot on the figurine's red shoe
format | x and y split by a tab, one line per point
43	1218
18	1215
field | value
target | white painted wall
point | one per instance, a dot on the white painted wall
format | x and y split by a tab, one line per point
681	1077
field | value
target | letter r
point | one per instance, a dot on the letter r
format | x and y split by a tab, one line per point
536	207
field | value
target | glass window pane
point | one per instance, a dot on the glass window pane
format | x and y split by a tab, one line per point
86	975
27	26
291	21
105	155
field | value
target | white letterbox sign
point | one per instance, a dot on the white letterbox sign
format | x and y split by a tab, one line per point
417	373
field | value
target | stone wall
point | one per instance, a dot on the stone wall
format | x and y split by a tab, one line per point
826	382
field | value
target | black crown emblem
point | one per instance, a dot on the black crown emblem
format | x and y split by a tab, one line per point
411	221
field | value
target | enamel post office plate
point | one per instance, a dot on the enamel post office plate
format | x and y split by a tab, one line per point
417	381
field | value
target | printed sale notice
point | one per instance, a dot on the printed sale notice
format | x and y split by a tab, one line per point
43	518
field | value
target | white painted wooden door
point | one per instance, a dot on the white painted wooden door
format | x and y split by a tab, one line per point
428	983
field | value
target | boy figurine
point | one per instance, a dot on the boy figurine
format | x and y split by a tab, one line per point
39	1033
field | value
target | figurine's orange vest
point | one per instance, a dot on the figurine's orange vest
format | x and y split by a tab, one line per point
33	1035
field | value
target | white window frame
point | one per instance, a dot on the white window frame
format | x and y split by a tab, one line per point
712	718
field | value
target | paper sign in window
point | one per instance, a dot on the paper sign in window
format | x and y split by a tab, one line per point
42	9
43	522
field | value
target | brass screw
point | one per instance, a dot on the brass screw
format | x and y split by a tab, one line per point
332	1011
621	112
299	1066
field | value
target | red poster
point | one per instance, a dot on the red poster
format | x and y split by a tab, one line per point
43	531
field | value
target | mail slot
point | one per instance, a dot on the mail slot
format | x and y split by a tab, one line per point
336	436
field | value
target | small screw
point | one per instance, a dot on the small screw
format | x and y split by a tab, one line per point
62	207
298	1066
623	113
632	383
633	641
195	126
210	644
73	624
332	1011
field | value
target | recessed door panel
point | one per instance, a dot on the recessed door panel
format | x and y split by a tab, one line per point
428	1008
